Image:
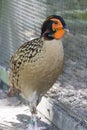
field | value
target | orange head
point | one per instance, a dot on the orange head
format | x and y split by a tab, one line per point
53	27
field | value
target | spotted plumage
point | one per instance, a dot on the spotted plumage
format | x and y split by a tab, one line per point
26	53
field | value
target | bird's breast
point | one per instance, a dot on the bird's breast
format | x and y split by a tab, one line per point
43	70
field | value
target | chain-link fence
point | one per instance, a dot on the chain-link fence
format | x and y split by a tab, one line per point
21	20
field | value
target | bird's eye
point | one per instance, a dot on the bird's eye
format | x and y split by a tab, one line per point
55	22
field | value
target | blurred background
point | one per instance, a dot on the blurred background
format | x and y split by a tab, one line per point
20	21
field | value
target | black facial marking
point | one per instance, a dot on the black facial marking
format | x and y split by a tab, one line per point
47	31
47	25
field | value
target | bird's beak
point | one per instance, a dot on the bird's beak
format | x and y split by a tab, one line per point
66	29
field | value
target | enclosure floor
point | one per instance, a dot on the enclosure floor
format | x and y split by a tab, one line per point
15	116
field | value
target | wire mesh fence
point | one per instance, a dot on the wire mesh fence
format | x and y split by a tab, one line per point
22	20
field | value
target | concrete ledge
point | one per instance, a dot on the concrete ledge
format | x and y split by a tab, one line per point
62	117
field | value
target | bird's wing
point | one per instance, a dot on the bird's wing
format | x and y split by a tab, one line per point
25	53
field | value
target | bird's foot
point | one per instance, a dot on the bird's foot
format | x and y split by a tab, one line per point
33	124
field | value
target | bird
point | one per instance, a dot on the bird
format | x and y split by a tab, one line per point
36	65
